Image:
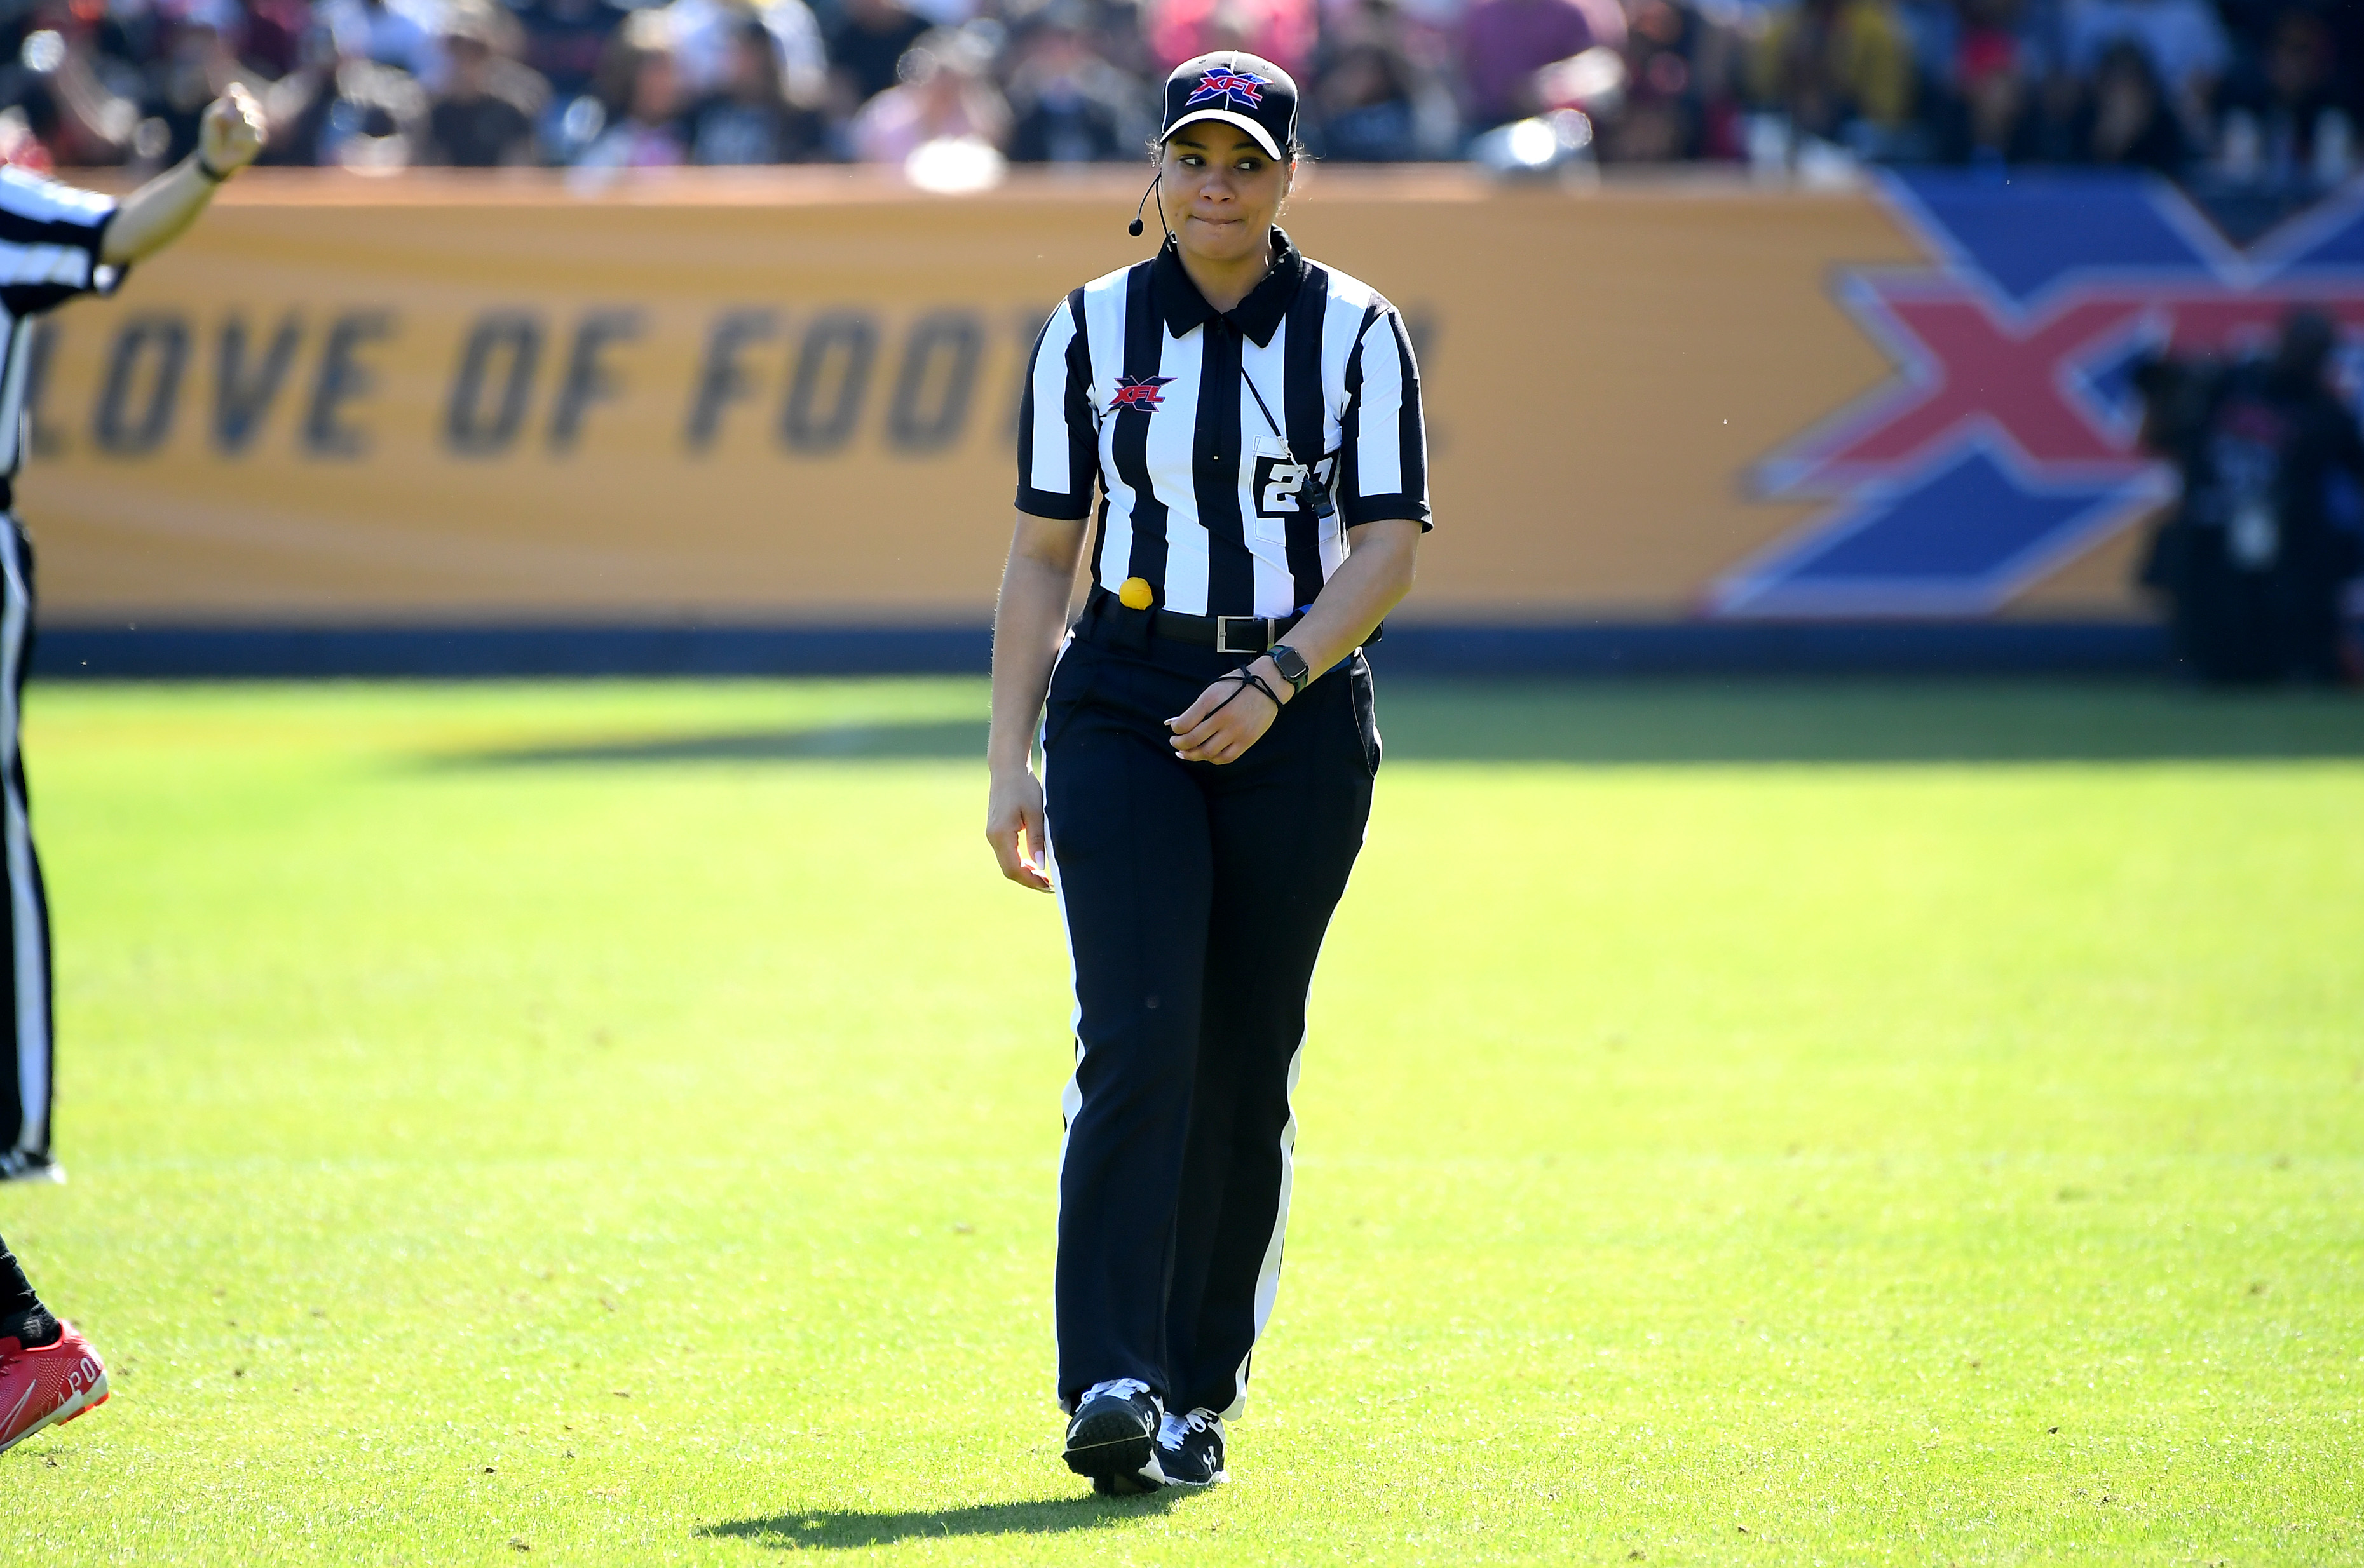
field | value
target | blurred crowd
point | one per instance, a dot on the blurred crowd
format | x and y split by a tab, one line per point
2258	91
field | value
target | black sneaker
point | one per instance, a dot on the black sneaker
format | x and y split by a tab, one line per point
1113	1438
30	1168
1190	1449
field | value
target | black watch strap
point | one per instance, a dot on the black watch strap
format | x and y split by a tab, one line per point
1291	665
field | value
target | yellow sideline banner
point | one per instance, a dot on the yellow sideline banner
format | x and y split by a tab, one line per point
790	395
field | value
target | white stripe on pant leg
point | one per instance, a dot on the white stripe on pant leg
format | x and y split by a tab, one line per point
17	333
24	902
1268	1277
1071	1100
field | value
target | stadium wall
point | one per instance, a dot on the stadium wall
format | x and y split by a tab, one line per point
761	421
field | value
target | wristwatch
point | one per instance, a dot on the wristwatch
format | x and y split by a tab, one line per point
1291	665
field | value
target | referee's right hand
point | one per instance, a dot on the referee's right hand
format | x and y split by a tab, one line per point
1013	826
232	131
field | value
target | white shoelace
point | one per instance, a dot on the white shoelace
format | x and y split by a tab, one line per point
1122	1387
1177	1430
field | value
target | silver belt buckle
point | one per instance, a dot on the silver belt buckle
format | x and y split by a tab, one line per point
1223	625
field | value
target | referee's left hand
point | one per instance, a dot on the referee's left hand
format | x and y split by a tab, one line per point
1227	719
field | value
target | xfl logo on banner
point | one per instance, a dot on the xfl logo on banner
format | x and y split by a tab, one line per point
2007	442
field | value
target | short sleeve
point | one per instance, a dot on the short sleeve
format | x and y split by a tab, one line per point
50	239
1382	463
1058	441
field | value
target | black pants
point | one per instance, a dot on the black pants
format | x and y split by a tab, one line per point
24	1080
1195	898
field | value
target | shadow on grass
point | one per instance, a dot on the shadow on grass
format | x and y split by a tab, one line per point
846	1531
1682	722
939	737
1663	723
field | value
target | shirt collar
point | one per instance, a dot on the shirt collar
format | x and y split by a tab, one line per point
1181	305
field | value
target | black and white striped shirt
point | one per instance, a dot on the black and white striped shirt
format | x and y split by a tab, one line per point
1136	385
50	238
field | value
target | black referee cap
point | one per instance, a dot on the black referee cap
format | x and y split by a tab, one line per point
1240	89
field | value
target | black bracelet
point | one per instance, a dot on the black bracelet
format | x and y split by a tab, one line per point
1246	678
1256	680
213	175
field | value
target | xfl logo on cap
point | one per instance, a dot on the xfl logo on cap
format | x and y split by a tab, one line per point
1139	392
1239	87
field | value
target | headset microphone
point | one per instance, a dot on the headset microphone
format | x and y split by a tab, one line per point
1134	227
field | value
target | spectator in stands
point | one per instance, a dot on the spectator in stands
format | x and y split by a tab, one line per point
1119	35
1068	105
1994	87
484	116
1840	70
1998	70
944	94
866	47
705	41
2126	118
200	65
70	115
749	118
20	145
1679	102
1372	97
2289	115
121	44
271	35
2269	90
639	85
32	129
954	13
296	107
1365	107
2182	42
1505	43
402	37
565	40
804	56
1283	31
1933	30
345	108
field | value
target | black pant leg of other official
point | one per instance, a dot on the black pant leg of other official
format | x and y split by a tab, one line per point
24	1080
1196	898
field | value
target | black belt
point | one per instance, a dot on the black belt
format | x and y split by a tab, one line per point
1224	634
1218	632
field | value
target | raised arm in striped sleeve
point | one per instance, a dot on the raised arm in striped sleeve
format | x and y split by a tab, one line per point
50	240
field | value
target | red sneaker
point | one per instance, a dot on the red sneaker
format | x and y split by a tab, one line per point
42	1387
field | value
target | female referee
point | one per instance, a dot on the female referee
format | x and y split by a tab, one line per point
1251	421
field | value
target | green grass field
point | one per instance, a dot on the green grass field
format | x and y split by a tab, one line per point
614	1124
